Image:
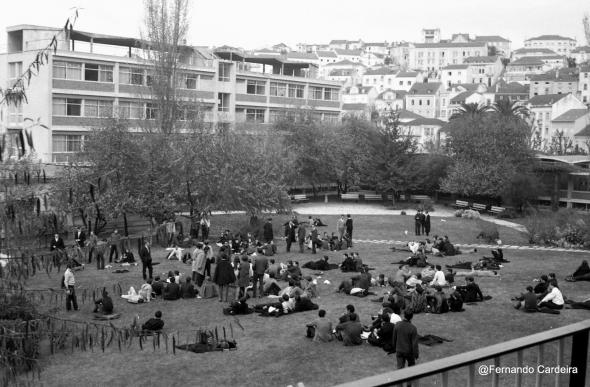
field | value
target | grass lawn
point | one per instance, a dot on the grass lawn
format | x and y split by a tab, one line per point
275	352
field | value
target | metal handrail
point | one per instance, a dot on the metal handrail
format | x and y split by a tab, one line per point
468	358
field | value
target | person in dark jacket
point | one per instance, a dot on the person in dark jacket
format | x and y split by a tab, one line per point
417	223
289	234
349	227
405	341
259	268
301	233
104	305
470	291
426	224
223	276
351	331
267	232
188	289
172	290
154	324
244	275
157	286
57	243
146	260
382	335
315	242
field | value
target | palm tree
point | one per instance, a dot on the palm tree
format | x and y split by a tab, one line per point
510	109
473	111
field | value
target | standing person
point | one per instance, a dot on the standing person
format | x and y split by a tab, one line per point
205	227
260	267
426	225
341	227
114	242
349	228
57	243
223	276
92	243
290	234
170	230
314	239
267	232
301	233
417	223
198	265
69	284
405	341
208	251
146	260
243	276
80	238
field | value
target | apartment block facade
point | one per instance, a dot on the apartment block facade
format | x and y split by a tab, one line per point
78	90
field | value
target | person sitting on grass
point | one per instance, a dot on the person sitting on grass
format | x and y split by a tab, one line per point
188	289
400	276
417	303
172	290
553	299
346	316
428	273
154	324
322	327
470	291
175	252
350	331
238	307
540	289
348	264
146	290
382	336
582	273
303	303
456	301
437	301
157	286
527	301
104	305
274	269
415	279
127	257
439	277
287	304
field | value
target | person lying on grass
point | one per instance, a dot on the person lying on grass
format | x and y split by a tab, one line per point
584	304
582	273
476	273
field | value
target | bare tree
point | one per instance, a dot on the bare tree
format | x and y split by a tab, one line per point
166	27
586	22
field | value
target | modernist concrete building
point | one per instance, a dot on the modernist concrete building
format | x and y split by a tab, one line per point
81	86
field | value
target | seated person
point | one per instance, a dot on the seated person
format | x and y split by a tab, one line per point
358	262
541	288
350	331
447	249
292	272
238	307
146	290
417	302
303	304
428	246
292	290
104	305
439	277
528	301
154	324
470	291
553	299
288	304
346	316
348	264
323	328
127	257
309	286
455	301
175	252
400	276
415	279
362	280
381	281
172	290
437	301
270	286
428	273
274	269
450	276
345	286
382	336
582	273
157	286
188	289
413	246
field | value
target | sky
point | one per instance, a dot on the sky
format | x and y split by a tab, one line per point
262	23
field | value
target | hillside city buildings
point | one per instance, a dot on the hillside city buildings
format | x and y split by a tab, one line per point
93	76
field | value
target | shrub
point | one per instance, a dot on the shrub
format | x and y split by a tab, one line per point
470	214
426	205
403	213
488	231
508	213
459	213
564	228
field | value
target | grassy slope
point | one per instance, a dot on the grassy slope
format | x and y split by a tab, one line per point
274	351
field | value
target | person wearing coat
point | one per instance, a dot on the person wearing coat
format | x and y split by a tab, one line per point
426	224
244	276
146	260
290	234
223	276
301	234
267	231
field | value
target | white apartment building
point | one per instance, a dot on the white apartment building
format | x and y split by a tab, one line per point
484	69
380	78
434	56
79	87
424	99
560	44
581	54
404	80
500	44
455	74
351	55
546	108
584	84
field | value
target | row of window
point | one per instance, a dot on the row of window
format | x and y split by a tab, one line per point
431	54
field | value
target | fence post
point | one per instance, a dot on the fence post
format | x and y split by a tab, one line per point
579	358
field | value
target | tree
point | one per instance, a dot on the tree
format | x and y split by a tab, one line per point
512	110
586	23
472	110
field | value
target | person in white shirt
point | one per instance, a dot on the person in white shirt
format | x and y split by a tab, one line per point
69	284
553	299
175	251
439	277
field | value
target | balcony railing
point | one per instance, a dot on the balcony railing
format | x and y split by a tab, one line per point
578	333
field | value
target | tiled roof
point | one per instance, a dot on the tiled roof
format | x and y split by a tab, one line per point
340	51
562	75
584	132
377	44
302	55
547	99
456	67
380	71
571	115
407	74
513	88
534	50
549	37
424	121
585	49
354	106
527	61
449	45
461	97
338	41
481	59
466	86
490	38
326	54
398	93
425	88
404	114
341	73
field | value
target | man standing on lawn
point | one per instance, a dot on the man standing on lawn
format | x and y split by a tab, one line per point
260	267
267	232
69	284
301	233
349	228
198	266
146	260
405	341
417	223
290	234
341	227
114	242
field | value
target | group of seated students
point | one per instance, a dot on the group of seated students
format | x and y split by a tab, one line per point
288	303
351	263
240	243
545	295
